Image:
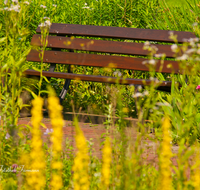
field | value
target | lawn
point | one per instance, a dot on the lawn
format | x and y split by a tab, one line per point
179	3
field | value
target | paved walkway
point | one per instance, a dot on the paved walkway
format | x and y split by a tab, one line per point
95	134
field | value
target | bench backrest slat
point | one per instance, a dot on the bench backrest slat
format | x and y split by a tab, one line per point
128	48
83	59
98	78
116	32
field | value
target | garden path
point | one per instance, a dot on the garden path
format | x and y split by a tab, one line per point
95	133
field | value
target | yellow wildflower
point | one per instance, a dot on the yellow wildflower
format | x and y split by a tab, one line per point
55	112
36	180
196	172
165	156
106	159
81	161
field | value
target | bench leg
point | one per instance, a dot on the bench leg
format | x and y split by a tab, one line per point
64	90
136	99
65	87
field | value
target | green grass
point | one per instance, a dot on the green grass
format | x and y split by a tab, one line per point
179	3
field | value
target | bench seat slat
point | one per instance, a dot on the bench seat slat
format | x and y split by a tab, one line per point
116	32
128	48
99	61
164	85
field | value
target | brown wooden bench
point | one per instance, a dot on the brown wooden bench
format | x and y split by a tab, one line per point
60	37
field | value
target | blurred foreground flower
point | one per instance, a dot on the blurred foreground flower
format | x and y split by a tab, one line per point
81	161
165	156
198	87
48	131
36	180
195	178
106	159
55	112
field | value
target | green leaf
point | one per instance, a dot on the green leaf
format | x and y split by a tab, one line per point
43	125
32	93
2	40
44	91
45	78
36	69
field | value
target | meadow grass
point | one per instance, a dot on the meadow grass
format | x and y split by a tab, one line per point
175	116
179	3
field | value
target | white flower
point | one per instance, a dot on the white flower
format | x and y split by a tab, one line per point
85	7
47	23
41	25
147	43
5	2
139	88
85	4
190	51
97	174
160	55
117	73
7	136
26	2
183	57
196	39
54	5
15	8
5	8
48	131
42	6
152	62
145	62
171	33
146	93
15	1
137	95
155	80
192	41
198	51
46	18
154	48
194	24
174	47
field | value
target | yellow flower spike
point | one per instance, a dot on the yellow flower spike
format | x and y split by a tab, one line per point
106	159
196	171
165	156
55	112
81	161
35	161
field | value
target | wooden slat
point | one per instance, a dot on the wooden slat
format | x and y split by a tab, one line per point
82	59
164	85
116	32
127	48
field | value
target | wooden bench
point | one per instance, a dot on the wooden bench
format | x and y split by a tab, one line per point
67	37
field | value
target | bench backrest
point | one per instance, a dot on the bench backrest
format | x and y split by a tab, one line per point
58	39
104	46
